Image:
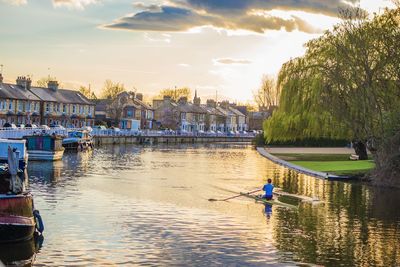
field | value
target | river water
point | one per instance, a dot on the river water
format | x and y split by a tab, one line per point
134	205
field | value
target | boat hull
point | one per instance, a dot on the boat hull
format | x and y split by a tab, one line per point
16	218
78	146
40	155
16	228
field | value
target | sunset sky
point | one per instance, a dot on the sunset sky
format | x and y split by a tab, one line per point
208	45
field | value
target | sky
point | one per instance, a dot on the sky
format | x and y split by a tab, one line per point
221	48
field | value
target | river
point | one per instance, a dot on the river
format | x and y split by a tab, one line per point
134	205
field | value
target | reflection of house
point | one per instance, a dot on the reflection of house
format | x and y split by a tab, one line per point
21	103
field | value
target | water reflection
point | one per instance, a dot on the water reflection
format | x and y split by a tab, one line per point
20	253
148	205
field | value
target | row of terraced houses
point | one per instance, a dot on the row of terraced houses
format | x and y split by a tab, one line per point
182	115
22	103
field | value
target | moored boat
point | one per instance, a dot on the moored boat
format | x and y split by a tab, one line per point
44	147
18	218
17	222
78	140
19	146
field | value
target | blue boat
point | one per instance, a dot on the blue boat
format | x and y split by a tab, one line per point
17	145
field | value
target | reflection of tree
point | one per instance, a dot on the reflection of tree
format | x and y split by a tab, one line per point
350	229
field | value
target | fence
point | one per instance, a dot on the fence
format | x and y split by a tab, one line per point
18	133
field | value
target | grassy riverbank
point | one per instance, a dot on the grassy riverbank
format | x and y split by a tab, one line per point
338	164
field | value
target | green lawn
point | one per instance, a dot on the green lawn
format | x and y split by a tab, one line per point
338	167
333	163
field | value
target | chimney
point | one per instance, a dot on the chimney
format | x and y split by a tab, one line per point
182	100
21	81
28	83
211	103
139	96
53	85
1	78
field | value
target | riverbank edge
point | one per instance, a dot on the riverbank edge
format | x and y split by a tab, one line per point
322	175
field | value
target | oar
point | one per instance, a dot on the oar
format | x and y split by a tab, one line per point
213	199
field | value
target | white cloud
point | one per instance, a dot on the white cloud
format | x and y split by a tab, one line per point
230	61
76	4
15	2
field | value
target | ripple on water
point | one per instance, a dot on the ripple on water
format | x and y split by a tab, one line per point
130	205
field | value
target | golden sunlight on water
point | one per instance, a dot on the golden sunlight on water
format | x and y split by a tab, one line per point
149	206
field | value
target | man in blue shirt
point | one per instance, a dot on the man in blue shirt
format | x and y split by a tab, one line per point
268	188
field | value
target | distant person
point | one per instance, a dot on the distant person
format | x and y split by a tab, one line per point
268	188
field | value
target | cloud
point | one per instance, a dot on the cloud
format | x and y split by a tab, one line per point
327	7
77	4
15	2
183	65
231	61
163	38
186	16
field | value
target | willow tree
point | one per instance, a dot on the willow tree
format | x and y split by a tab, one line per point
347	85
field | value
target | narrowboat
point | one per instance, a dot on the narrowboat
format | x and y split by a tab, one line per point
19	146
17	222
18	218
44	147
78	140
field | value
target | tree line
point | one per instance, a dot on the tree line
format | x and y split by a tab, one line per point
347	85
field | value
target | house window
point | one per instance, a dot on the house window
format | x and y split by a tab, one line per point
64	108
183	116
20	105
58	107
35	106
129	113
27	106
73	108
10	104
47	107
81	109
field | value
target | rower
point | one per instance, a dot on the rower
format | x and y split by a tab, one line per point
268	188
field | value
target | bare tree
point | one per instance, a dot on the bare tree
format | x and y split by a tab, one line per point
86	91
111	89
268	94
